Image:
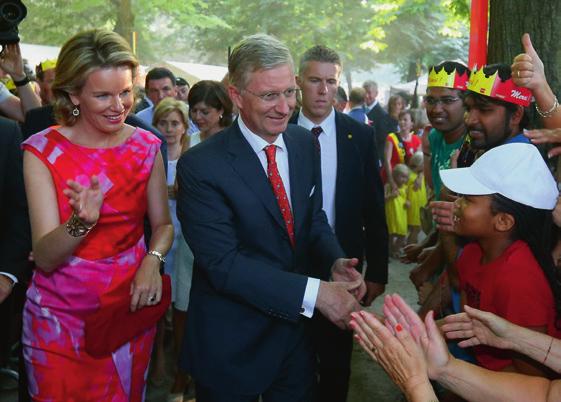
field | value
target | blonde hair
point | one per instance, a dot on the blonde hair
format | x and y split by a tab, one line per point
165	107
401	168
84	53
416	160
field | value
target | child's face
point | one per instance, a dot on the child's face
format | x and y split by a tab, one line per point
473	217
417	168
401	178
405	123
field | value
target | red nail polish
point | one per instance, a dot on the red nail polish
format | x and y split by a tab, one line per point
398	328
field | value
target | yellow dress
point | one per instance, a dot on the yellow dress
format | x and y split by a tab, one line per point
417	199
396	214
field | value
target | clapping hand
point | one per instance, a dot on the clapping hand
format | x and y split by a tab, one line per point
85	201
478	327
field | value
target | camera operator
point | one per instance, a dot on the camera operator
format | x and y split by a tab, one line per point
15	107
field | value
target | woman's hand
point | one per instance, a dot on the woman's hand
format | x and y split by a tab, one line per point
85	201
398	354
426	335
146	288
527	68
478	327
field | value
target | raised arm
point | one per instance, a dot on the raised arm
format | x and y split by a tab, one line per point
528	71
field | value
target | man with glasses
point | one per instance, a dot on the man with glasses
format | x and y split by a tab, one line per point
249	203
353	200
445	111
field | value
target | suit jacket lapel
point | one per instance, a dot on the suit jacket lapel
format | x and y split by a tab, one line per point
246	163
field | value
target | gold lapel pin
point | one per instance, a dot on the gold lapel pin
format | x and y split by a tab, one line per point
350	136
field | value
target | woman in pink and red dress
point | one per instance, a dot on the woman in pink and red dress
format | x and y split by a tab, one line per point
90	182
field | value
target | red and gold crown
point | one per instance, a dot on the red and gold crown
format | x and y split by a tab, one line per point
494	87
453	80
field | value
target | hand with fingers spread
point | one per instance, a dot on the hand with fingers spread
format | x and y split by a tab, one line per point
398	354
546	136
146	288
478	327
85	201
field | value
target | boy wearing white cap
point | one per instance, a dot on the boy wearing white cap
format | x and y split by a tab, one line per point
505	206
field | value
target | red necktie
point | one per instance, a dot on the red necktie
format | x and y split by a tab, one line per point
316	131
278	189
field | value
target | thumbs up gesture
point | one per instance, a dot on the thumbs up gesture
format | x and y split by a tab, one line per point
527	68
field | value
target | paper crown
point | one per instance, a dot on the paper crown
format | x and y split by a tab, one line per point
453	80
494	87
47	65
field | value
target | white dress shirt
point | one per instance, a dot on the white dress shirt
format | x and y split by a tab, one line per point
258	145
328	144
371	106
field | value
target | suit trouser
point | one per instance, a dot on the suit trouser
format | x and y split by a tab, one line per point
295	382
334	349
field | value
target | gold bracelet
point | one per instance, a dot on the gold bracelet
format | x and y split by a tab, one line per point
76	227
548	113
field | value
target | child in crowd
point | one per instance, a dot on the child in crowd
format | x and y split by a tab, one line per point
507	198
417	197
396	208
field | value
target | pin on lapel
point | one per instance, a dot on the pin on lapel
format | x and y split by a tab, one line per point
350	136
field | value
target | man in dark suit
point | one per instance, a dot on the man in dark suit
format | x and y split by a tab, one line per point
15	238
378	116
353	200
249	204
15	242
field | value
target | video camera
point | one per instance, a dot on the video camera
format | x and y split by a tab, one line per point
12	12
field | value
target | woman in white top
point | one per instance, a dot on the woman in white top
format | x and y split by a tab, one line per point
171	117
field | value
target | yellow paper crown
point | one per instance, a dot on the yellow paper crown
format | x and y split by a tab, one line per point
442	78
47	64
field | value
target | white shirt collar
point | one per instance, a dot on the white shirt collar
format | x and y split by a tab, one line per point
328	124
369	107
257	143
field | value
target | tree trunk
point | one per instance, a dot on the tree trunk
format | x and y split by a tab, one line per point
509	19
125	19
349	77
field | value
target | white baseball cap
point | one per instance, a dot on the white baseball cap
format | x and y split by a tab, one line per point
516	171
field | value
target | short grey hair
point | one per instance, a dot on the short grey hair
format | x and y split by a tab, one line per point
319	53
253	53
370	84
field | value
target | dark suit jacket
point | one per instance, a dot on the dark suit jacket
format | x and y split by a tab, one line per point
360	220
15	234
381	122
248	282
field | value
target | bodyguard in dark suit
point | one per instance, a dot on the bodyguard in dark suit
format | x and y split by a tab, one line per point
249	203
15	235
378	116
353	199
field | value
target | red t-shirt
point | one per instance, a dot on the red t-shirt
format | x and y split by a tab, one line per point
514	287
